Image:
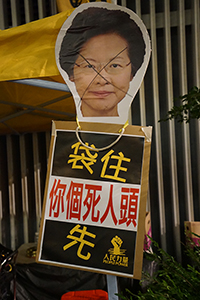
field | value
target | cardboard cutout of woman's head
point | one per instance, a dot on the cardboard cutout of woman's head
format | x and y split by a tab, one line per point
102	52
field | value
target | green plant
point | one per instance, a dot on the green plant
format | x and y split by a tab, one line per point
172	280
189	109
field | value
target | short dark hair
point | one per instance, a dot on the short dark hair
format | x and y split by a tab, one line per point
96	21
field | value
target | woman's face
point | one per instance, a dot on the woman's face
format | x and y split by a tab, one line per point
102	73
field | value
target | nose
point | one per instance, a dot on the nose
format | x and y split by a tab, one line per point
102	77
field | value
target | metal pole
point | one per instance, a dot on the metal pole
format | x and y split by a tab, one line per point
44	84
112	287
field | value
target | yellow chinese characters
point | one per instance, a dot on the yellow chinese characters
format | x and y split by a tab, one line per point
85	157
117	168
82	157
83	232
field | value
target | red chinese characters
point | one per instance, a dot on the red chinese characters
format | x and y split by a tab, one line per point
110	208
89	202
128	206
56	197
74	199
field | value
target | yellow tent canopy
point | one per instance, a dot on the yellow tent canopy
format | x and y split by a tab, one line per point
27	52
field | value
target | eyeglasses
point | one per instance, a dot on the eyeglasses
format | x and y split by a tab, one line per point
112	68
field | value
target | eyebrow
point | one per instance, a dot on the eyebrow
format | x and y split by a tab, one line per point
117	56
110	60
88	59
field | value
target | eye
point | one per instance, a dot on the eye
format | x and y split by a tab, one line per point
115	66
89	66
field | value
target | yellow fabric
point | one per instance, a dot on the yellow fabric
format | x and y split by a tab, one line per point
27	51
34	120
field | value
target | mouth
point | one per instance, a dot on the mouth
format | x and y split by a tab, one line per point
101	94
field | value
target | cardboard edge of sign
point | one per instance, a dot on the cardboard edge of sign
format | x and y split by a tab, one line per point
108	128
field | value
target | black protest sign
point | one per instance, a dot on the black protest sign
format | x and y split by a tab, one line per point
95	201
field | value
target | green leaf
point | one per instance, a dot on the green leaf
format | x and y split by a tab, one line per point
189	108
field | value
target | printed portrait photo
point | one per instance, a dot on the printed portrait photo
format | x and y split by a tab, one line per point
102	52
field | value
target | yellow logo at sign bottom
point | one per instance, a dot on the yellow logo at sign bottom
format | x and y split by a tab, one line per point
116	255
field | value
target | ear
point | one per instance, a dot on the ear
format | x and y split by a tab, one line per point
133	72
131	77
71	78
